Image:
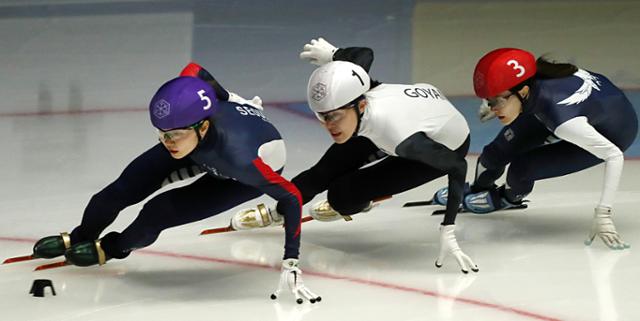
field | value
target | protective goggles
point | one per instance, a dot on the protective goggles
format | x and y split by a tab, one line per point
178	134
498	102
334	115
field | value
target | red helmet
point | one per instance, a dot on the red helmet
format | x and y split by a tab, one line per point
502	69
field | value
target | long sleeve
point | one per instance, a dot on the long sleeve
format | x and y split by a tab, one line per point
523	134
289	200
579	132
421	148
360	56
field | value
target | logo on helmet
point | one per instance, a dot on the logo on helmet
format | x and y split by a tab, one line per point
161	109
318	91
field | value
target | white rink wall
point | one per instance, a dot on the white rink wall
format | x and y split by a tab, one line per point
71	63
450	37
71	55
61	56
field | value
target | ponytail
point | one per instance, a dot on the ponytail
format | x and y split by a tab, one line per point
547	69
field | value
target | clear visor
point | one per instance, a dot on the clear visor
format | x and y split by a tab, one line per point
177	134
334	115
173	135
499	101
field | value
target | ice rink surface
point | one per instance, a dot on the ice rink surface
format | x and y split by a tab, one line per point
380	266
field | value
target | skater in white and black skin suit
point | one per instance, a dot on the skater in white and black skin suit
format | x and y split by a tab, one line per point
558	119
417	131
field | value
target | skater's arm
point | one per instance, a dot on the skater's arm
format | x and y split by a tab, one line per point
580	133
421	148
319	52
289	202
361	56
195	70
525	133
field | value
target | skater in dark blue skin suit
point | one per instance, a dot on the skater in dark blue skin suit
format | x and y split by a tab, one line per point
201	128
558	119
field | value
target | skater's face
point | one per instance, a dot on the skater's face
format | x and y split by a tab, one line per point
342	122
181	142
507	106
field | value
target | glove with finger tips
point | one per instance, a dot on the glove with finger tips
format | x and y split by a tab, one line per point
255	102
318	52
603	227
291	279
449	245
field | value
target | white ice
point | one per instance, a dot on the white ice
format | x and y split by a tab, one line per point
380	266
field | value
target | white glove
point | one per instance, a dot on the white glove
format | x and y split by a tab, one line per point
255	101
603	227
318	52
484	112
291	278
449	245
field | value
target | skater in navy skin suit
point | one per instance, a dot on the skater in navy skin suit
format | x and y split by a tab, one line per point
558	119
201	128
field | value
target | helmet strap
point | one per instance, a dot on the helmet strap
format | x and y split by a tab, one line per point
516	90
197	129
520	98
357	110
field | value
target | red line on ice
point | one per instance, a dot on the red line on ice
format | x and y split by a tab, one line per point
372	283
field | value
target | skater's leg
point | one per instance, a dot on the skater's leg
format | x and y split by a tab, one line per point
143	176
206	197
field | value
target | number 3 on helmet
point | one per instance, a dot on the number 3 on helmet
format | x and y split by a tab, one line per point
501	70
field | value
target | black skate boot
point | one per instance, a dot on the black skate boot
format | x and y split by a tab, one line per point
52	246
86	254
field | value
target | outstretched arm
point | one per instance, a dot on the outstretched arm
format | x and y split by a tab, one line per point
288	195
580	133
421	148
319	52
195	70
360	56
523	134
273	184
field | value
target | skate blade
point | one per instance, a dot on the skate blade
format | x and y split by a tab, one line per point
19	259
464	211
217	230
419	203
51	266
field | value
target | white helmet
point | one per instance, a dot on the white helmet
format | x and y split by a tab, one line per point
335	84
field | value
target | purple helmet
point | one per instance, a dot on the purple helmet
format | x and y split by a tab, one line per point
182	102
